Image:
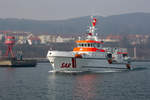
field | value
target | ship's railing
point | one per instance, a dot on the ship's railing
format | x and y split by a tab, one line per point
119	50
109	49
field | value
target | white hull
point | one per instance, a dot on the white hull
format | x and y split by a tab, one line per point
70	63
103	63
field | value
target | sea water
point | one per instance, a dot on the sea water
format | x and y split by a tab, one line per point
37	83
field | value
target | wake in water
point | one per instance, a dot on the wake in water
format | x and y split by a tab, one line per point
139	68
91	71
103	70
53	71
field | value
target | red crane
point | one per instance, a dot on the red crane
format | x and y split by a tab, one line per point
9	41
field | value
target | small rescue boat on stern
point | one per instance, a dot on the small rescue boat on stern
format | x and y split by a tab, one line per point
89	55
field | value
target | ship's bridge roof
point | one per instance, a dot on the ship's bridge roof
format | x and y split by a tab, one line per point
88	41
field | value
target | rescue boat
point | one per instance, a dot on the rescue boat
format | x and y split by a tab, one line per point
89	55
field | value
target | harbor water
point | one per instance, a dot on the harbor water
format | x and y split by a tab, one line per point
37	83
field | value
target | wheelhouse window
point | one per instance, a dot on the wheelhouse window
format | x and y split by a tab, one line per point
82	45
91	44
125	55
97	45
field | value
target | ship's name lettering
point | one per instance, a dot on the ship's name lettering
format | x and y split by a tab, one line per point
65	65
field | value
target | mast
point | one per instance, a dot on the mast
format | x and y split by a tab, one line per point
91	33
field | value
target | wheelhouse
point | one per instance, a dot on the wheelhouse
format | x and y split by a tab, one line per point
89	43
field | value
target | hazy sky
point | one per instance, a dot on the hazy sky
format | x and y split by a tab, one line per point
62	9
